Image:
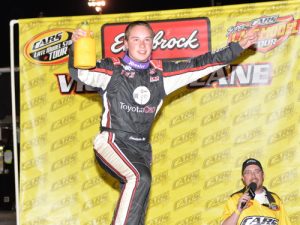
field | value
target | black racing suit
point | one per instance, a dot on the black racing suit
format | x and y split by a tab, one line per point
131	99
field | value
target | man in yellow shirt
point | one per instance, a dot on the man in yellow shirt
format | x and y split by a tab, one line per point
254	204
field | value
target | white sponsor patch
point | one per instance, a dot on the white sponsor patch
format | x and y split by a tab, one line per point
141	95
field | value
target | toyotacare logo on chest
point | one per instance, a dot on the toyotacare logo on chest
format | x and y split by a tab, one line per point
137	109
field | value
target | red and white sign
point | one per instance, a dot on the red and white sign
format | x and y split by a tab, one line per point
176	39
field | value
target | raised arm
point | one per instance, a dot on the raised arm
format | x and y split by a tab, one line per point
98	77
177	75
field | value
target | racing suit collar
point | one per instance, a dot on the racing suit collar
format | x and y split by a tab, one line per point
135	64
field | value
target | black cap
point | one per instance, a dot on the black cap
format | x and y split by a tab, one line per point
251	161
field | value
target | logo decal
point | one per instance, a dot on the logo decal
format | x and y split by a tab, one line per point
174	39
49	47
245	75
154	79
254	220
272	30
141	95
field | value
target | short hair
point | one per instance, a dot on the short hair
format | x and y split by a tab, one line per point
138	23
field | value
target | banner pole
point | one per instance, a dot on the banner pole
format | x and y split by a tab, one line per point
14	121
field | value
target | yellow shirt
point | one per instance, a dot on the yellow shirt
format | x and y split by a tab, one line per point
257	214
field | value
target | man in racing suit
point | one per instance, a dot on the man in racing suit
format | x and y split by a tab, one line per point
132	90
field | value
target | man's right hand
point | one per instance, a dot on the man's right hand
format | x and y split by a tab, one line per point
79	33
244	199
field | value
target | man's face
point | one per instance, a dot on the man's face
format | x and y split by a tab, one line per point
253	173
139	43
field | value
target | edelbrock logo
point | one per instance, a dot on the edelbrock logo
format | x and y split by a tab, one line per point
170	40
160	41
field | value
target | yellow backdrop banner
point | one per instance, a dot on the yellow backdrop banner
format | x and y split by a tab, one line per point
203	133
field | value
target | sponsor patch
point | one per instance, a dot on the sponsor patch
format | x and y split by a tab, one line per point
141	95
49	47
272	30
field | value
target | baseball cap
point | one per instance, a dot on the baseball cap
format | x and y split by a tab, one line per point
251	161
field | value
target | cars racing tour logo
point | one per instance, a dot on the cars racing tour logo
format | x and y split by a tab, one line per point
49	47
272	31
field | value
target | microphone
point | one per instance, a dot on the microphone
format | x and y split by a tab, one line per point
251	191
